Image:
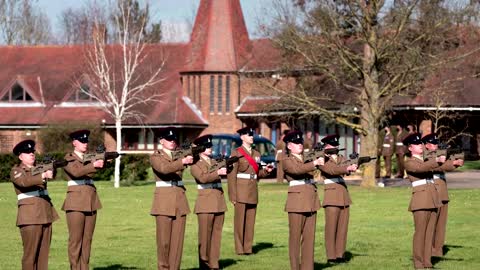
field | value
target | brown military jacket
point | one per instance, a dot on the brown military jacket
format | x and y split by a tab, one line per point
244	190
83	197
423	196
209	200
399	147
441	183
168	201
388	140
35	210
335	194
301	198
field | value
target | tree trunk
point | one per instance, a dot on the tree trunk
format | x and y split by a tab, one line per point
118	128
370	111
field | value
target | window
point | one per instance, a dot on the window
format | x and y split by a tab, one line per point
227	94
220	82
212	94
16	93
83	93
199	91
194	89
188	86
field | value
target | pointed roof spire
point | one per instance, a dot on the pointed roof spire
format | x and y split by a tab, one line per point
219	40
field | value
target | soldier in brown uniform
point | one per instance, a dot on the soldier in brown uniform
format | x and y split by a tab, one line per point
170	205
425	199
302	203
308	142
336	201
386	152
243	190
280	147
82	201
431	143
210	206
35	210
400	151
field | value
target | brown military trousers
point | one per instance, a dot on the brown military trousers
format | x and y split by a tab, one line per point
424	220
170	234
243	226
301	240
440	228
81	226
36	246
336	228
209	239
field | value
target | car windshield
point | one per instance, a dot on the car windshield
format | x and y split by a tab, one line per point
222	146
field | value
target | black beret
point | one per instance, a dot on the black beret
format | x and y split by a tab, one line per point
294	137
27	146
246	130
80	135
331	140
413	138
285	132
205	140
169	134
430	138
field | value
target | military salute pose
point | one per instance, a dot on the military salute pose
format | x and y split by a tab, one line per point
35	210
170	205
431	144
210	206
302	203
243	190
336	201
82	201
425	199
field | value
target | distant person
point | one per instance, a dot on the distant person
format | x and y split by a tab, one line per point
210	206
400	151
302	202
425	199
243	190
35	210
336	201
431	143
82	201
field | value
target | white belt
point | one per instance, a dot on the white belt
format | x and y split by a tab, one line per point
399	144
279	151
209	185
246	176
31	194
301	182
169	183
439	176
422	182
80	182
333	180
386	145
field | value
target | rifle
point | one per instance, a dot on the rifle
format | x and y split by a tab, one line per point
223	162
455	154
355	158
319	151
48	163
100	154
444	150
187	150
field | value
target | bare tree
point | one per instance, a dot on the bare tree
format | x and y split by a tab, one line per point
23	23
352	58
123	75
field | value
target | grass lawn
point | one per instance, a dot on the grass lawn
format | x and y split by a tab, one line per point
380	233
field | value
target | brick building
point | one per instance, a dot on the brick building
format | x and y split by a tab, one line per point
213	85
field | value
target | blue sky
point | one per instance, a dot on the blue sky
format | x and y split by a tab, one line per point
169	11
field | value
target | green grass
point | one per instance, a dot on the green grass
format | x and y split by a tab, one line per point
380	232
470	165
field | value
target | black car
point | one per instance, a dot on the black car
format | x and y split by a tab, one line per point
224	143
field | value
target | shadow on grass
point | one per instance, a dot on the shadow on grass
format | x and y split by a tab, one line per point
261	246
436	260
446	248
116	267
348	257
224	263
